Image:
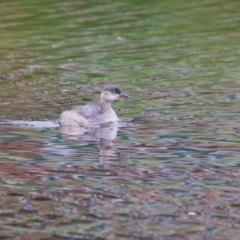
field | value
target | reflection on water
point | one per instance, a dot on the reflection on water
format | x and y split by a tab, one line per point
171	171
104	135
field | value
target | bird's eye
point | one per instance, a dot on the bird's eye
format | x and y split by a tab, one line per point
117	91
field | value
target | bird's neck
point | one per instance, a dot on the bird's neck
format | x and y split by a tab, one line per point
105	105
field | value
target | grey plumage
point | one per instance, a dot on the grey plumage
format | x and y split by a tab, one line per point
93	114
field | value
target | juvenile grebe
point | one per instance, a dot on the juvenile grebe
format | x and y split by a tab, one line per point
90	115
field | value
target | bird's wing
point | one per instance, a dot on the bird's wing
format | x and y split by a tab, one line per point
89	111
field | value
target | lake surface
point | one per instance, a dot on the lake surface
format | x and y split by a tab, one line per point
171	171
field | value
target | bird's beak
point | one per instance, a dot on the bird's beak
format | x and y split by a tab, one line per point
123	95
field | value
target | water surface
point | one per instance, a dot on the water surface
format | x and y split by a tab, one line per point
171	170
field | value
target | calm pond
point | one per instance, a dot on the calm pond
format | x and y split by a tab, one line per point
171	171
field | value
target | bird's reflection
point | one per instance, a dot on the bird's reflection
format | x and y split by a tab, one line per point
104	134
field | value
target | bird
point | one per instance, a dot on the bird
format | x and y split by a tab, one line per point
94	114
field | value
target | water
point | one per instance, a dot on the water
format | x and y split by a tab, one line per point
171	170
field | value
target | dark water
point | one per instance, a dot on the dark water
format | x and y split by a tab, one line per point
171	170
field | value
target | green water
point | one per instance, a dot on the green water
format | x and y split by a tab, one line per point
173	169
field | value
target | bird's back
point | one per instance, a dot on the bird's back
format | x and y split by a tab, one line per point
90	111
82	115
